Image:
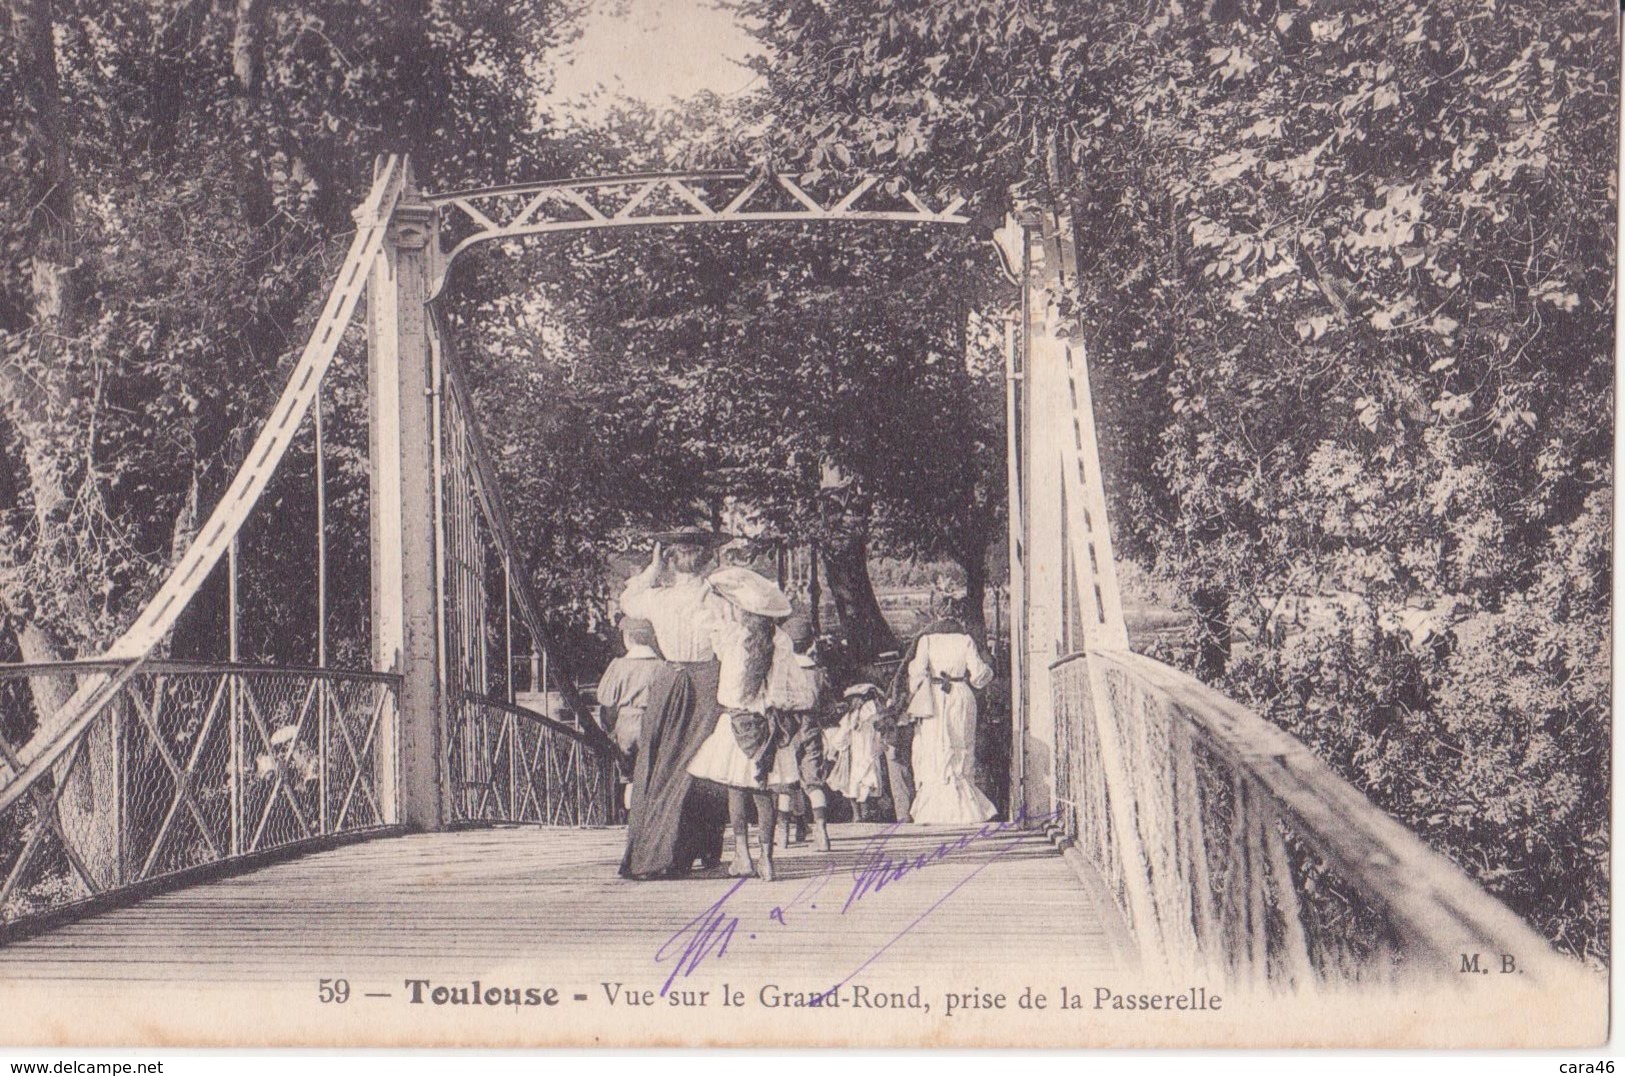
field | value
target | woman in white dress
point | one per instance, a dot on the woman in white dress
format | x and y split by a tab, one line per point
944	674
744	752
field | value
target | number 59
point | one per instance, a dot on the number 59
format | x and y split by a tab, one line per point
333	991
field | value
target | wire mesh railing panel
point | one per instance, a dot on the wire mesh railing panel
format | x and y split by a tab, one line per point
276	719
558	792
468	764
469	544
356	716
510	765
531	740
187	766
53	849
1212	871
597	783
173	799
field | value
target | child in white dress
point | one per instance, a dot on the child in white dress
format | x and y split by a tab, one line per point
743	753
855	746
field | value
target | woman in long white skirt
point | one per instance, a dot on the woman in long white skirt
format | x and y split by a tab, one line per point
946	671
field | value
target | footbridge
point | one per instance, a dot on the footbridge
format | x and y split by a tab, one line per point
386	811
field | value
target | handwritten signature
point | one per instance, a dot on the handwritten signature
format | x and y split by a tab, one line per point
710	933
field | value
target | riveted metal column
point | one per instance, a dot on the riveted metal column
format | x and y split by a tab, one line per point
405	618
1042	625
1015	412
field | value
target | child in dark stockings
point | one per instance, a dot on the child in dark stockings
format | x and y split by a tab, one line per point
744	752
802	688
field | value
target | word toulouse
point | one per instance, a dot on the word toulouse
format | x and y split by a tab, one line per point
420	991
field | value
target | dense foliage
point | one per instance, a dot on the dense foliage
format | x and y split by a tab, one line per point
1345	269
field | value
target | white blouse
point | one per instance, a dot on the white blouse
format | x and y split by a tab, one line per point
793	683
952	655
678	611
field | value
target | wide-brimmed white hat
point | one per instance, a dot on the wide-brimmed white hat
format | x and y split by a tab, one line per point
749	591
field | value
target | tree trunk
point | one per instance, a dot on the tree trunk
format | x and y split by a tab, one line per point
247	44
37	401
39	404
1213	635
846	568
975	596
46	152
177	37
843	515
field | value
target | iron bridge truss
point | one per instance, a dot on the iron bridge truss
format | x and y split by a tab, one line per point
471	217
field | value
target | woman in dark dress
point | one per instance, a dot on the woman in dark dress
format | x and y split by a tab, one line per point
675	819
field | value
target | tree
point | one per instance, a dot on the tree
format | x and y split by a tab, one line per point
1333	265
157	269
817	377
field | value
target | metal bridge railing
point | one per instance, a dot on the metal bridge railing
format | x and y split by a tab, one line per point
1233	851
187	766
509	764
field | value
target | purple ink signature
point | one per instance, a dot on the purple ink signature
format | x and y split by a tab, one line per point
705	934
710	933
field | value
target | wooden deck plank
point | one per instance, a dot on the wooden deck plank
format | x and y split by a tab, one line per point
549	900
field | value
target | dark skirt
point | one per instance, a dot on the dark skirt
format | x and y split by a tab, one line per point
675	819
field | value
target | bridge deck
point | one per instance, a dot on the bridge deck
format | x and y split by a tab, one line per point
545	905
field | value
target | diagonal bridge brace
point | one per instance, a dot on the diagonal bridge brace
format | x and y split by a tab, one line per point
131	648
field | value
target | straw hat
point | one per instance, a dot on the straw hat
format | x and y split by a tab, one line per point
691	536
950	582
750	592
